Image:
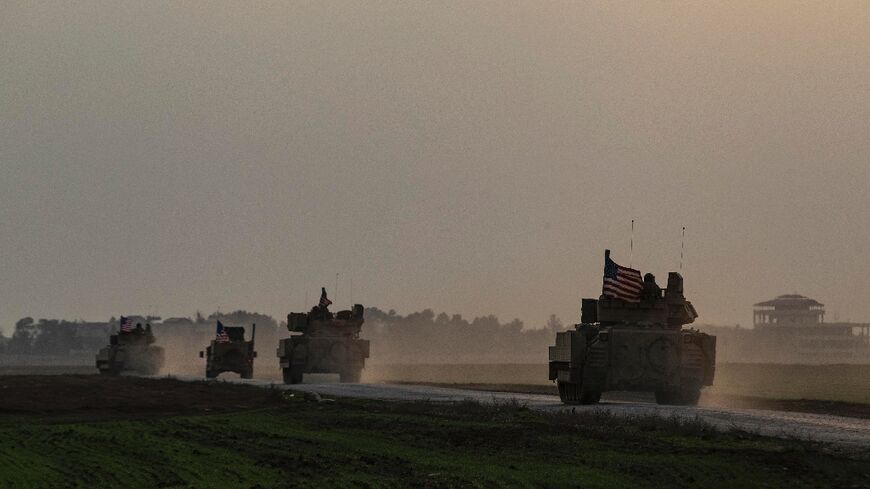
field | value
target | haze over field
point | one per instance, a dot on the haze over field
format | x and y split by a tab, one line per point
474	158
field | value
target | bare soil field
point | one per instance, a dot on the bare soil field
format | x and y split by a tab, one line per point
842	383
828	389
47	369
854	410
99	396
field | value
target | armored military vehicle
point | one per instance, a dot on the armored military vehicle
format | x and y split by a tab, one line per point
327	344
229	352
131	350
634	342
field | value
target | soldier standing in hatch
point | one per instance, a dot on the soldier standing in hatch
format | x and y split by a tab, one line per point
651	291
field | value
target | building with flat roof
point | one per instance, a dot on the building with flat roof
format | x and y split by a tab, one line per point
791	329
797	323
788	310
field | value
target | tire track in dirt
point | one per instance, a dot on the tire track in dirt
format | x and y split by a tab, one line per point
841	431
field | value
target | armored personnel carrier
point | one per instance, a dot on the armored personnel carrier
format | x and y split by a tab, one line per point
632	339
229	352
131	351
327	344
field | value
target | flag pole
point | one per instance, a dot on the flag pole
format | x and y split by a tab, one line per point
682	247
631	245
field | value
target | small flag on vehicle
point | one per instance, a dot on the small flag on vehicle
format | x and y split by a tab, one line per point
324	301
621	282
126	324
221	335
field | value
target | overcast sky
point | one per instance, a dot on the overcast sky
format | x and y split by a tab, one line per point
471	157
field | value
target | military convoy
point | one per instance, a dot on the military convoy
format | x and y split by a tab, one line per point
637	345
229	352
327	343
131	350
630	338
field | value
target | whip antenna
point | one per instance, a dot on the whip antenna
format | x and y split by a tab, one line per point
631	245
682	247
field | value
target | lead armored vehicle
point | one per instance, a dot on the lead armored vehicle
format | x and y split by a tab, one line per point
634	344
325	343
131	351
229	352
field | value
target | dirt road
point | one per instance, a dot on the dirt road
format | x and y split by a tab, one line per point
851	433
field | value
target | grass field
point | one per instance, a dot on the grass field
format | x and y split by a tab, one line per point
270	439
845	383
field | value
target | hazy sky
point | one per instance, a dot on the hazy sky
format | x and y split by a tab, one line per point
472	157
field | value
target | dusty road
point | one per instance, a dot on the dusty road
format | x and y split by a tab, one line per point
851	433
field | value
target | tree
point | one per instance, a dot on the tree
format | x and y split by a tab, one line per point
554	323
23	336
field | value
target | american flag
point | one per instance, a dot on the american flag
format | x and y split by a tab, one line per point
621	282
221	335
324	301
126	324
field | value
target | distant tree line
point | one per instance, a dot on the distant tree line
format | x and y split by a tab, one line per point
419	337
62	337
424	337
54	336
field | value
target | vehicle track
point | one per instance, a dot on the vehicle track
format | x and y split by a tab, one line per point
840	431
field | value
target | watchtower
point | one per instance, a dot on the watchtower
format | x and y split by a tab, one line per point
788	310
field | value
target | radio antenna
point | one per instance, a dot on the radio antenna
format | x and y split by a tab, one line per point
631	245
682	247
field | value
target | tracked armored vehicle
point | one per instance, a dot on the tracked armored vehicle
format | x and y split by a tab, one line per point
131	351
635	345
229	352
326	343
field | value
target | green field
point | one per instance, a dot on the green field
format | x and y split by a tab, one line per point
845	383
280	440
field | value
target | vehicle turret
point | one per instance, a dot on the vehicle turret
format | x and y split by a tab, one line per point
667	307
